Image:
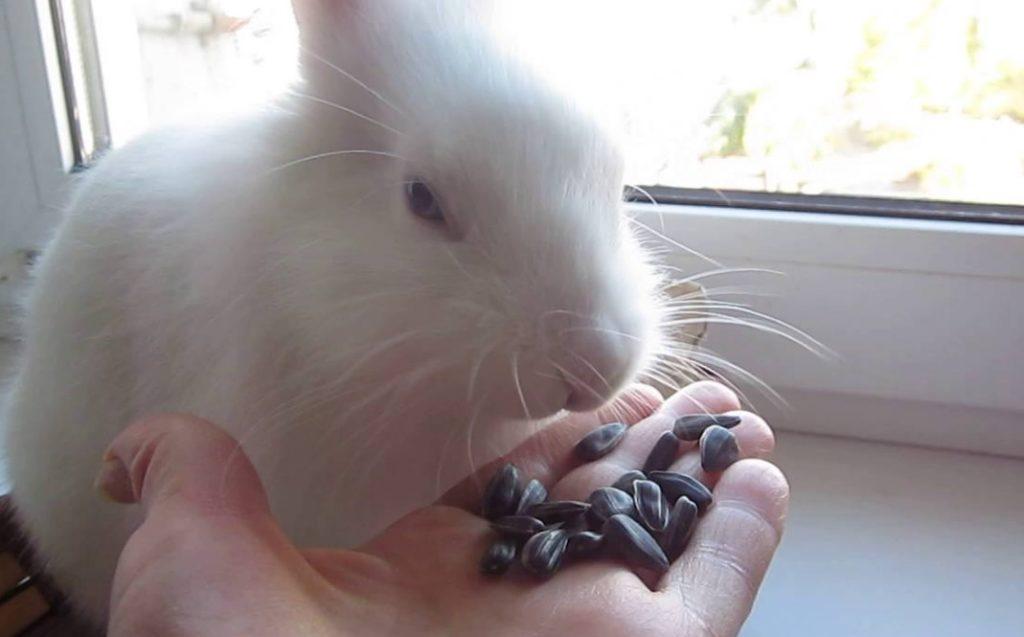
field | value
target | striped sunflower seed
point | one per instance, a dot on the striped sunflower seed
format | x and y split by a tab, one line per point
680	527
691	427
651	506
499	556
518	526
633	543
676	485
542	553
575	524
718	449
558	511
501	494
663	453
606	502
600	442
533	493
584	544
625	482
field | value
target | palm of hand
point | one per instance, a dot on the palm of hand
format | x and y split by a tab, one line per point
420	576
709	590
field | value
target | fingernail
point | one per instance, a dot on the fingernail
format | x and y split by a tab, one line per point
113	481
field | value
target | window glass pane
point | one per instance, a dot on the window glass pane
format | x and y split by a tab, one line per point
915	98
198	55
170	61
80	75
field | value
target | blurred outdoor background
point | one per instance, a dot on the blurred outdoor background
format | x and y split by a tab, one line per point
908	98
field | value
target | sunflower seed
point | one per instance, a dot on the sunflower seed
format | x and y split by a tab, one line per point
677	485
499	557
502	493
543	552
600	442
651	505
632	541
558	511
575	524
533	493
519	526
680	527
663	453
625	482
718	449
606	502
691	427
584	544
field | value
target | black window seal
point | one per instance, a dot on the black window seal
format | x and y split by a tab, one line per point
92	91
71	108
831	204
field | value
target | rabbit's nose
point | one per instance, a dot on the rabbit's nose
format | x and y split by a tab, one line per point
596	361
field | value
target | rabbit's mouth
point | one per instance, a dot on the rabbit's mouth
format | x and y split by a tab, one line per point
582	398
596	363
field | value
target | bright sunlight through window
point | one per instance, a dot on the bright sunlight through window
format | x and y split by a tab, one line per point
916	98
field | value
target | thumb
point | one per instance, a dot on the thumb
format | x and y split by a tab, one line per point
208	557
181	462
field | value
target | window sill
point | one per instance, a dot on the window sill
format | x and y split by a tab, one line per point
892	541
925	317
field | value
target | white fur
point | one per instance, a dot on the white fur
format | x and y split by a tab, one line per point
364	357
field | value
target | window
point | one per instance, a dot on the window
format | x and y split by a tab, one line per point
882	111
149	63
917	100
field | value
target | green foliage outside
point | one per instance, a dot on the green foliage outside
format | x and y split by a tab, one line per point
918	98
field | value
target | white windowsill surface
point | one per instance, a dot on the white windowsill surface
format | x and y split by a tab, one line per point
895	541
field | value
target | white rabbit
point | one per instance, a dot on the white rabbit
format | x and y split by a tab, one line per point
371	283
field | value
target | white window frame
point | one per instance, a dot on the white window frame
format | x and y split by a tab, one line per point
34	124
926	316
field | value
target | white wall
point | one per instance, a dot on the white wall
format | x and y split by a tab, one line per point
34	154
17	181
21	224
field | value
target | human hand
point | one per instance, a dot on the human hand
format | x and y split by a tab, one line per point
209	558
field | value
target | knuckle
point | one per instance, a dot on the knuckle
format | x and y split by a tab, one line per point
756	435
710	390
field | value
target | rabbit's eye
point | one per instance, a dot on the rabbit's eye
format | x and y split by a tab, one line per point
422	202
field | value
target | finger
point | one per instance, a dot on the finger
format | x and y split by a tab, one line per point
755	439
206	519
547	456
636	402
181	462
719	574
702	397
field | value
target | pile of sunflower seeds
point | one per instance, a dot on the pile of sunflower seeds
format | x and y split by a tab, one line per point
645	518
